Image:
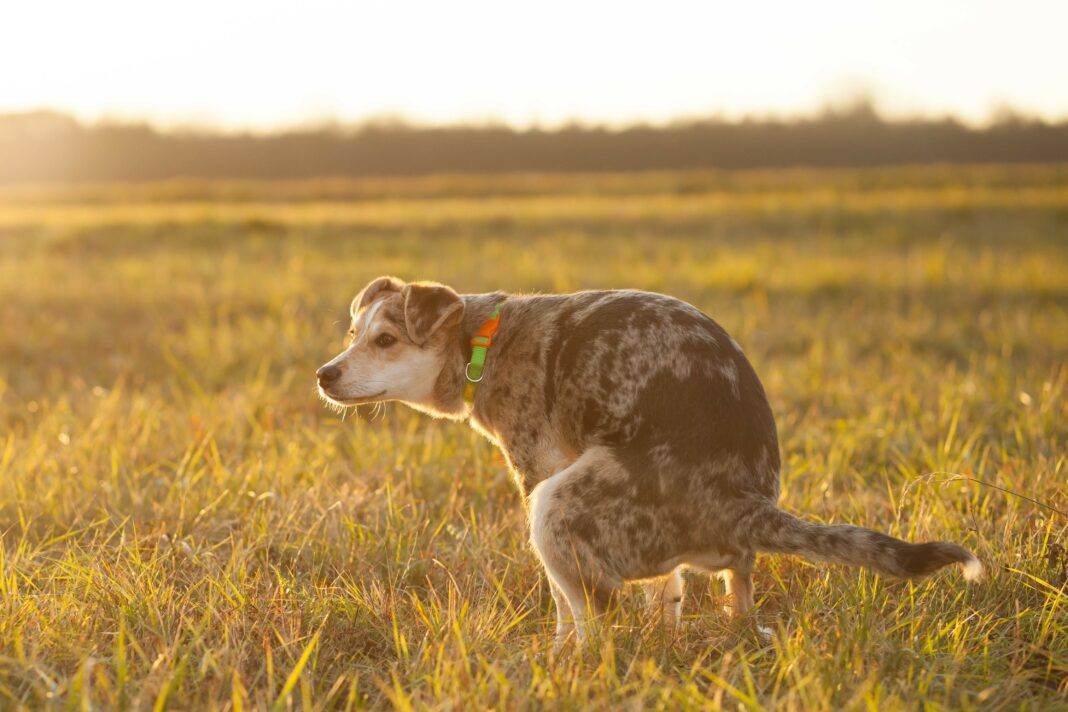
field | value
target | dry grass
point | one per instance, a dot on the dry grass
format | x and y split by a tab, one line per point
184	526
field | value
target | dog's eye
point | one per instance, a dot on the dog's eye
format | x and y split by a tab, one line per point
385	340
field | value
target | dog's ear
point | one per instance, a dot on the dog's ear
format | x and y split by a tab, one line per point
373	290
428	307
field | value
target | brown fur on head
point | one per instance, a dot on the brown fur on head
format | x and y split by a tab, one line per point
398	347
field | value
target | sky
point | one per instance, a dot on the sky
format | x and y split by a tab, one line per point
261	64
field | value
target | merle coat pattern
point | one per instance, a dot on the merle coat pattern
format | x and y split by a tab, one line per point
635	427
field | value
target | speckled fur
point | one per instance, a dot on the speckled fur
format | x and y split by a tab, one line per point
642	441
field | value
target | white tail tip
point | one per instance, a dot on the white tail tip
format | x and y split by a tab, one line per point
973	569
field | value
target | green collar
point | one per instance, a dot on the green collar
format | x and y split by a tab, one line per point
480	344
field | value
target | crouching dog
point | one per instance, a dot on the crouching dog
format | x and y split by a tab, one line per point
635	427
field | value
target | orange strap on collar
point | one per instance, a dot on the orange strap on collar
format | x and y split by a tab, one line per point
480	344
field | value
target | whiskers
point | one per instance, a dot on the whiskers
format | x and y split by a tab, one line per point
377	407
334	405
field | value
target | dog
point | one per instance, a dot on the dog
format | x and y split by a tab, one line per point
637	430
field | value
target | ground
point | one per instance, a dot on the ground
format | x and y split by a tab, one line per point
184	525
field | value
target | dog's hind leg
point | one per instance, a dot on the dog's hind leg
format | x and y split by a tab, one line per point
664	598
739	581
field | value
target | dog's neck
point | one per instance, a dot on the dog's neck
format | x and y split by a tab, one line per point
477	309
448	396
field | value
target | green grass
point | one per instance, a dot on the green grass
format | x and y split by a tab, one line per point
185	526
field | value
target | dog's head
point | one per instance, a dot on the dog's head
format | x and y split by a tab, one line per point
397	343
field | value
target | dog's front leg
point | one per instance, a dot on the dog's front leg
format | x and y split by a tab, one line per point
577	559
565	619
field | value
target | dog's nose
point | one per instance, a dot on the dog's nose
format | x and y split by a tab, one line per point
328	374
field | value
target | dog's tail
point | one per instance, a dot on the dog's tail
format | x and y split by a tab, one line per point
776	531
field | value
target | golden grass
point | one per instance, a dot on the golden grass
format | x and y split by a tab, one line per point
183	525
538	211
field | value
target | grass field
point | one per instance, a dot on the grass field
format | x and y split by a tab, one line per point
185	526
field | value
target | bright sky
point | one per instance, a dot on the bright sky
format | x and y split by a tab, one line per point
259	63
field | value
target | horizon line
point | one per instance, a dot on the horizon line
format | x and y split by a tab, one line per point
998	115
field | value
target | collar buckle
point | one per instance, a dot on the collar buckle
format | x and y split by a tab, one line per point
470	379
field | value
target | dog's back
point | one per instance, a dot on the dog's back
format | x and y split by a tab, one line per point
664	386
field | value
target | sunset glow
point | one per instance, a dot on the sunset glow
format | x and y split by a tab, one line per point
264	64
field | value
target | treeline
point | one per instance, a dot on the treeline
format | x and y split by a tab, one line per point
44	146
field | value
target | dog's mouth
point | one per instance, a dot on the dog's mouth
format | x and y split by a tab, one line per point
351	400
